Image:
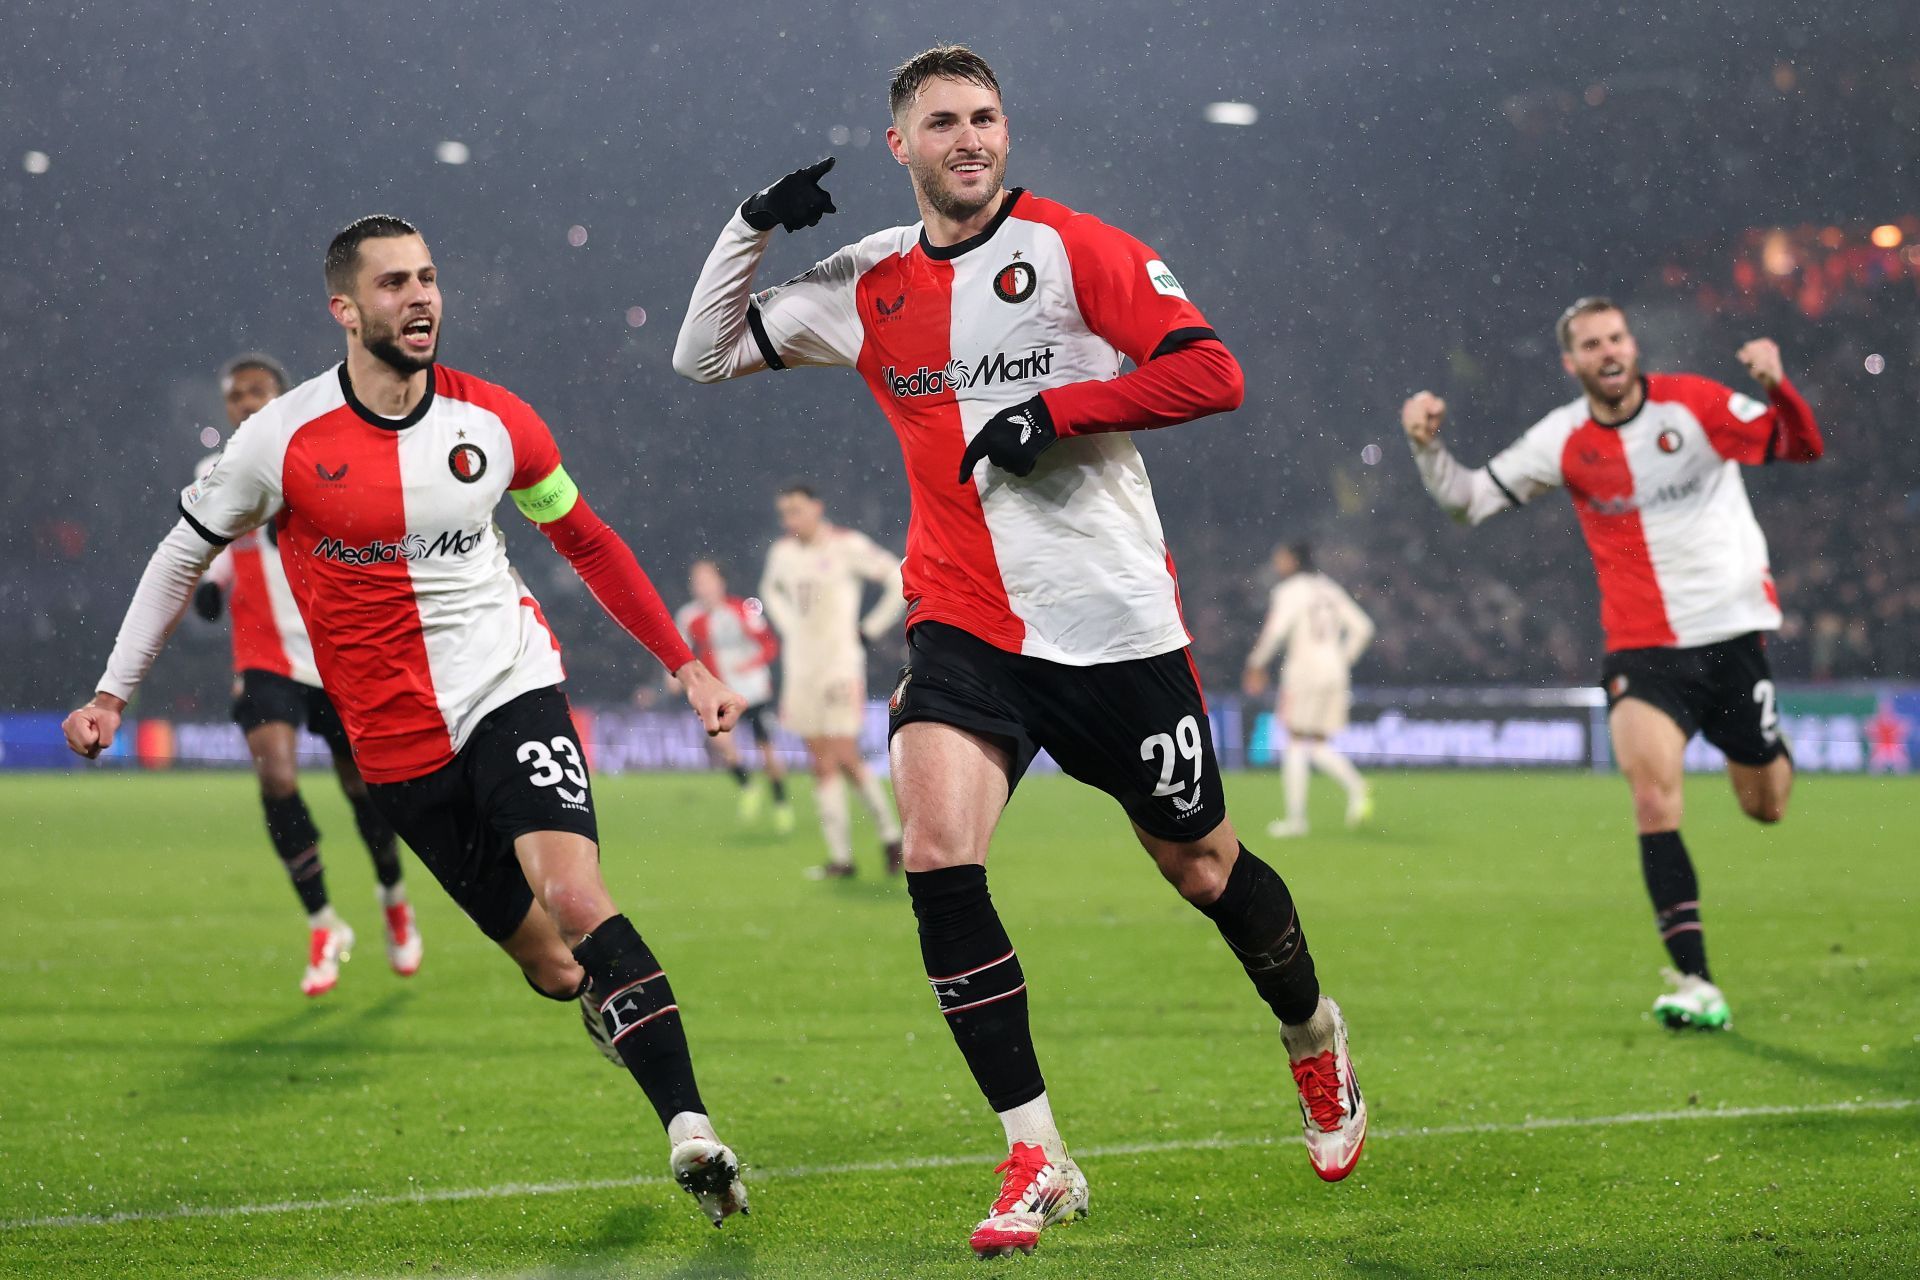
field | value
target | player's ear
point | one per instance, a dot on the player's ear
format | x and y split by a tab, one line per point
345	314
1566	362
897	143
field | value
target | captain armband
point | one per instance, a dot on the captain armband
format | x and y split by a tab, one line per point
550	499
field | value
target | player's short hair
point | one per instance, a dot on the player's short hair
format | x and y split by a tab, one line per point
710	562
255	360
800	487
1591	305
343	253
942	62
1302	554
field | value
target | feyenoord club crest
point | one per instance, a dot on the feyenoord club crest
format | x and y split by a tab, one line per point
1669	441
899	692
1617	686
467	463
1015	281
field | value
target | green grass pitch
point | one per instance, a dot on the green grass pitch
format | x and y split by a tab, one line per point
170	1104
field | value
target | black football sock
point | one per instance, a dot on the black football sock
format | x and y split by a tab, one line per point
297	841
379	837
1255	914
642	1021
1675	891
740	774
977	979
779	788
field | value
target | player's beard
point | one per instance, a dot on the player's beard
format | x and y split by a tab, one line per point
384	345
1597	392
930	180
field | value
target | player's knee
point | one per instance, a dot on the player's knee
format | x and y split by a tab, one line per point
557	977
575	905
278	781
1767	808
1656	804
1197	874
921	850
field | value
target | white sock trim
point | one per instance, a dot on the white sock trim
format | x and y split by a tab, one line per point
689	1124
1033	1122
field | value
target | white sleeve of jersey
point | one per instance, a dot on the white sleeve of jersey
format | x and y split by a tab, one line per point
221	572
242	490
1273	634
177	563
728	332
1521	472
876	564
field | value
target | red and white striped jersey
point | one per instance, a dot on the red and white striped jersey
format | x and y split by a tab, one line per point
735	642
1680	559
385	526
268	632
1069	564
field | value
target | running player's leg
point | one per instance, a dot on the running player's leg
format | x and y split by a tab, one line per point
830	803
757	718
1763	789
1139	731
1294	776
267	710
404	945
957	749
1650	747
873	794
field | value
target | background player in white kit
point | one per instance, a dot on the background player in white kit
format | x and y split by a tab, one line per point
1043	609
811	589
732	638
1323	633
276	692
1652	463
382	477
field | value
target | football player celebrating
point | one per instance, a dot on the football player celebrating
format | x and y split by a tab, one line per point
1043	611
276	691
380	478
811	588
1652	463
733	640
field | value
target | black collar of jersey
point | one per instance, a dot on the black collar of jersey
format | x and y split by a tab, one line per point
373	419
944	253
1645	395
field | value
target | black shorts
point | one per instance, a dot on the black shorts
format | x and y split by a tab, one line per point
1724	691
266	697
756	717
1136	729
521	770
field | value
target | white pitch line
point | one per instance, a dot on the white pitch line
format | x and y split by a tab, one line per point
504	1190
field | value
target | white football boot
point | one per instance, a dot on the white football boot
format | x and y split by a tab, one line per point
1035	1194
710	1173
328	947
1694	1003
1286	828
1331	1107
404	948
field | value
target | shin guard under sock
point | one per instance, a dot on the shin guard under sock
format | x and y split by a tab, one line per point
297	841
1255	914
641	1018
378	835
977	979
1675	891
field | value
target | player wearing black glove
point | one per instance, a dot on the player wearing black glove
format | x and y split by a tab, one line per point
1012	440
794	202
208	600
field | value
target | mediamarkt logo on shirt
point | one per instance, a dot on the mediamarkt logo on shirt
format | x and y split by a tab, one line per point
998	367
412	547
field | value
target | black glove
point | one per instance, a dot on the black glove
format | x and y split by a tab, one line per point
1012	440
207	601
794	202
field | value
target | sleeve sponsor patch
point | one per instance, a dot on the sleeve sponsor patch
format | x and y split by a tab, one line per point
549	499
1745	408
1164	281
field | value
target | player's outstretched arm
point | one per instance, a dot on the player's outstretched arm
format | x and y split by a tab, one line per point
166	586
1273	634
1468	496
717	340
877	564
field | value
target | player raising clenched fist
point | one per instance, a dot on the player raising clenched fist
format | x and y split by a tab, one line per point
1652	463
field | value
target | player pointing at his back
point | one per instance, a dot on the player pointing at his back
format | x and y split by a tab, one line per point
381	477
1043	611
1652	463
